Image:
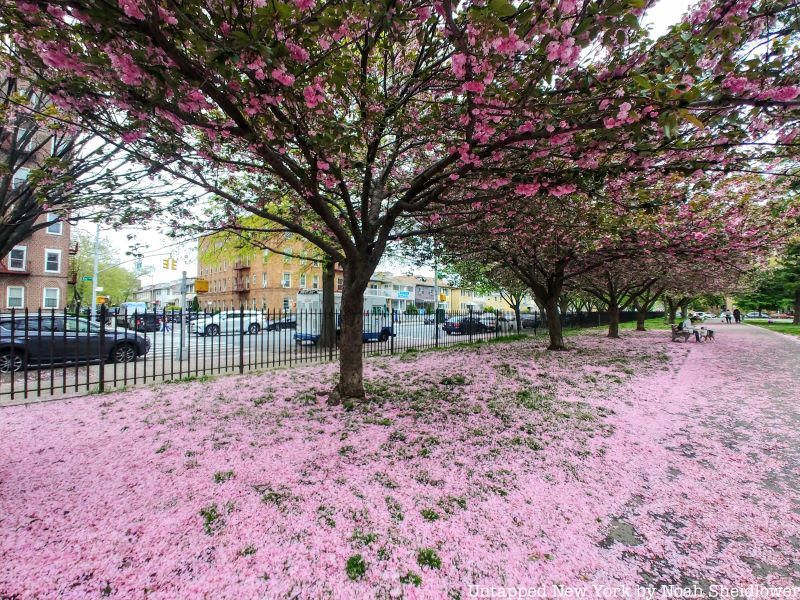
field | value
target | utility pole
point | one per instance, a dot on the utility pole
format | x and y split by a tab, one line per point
93	303
436	297
183	314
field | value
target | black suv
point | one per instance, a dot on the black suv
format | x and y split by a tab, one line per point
36	340
465	325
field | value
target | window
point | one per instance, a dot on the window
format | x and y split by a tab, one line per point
60	145
303	281
286	304
288	235
20	177
287	280
51	297
16	258
80	326
15	297
28	137
339	284
52	261
56	226
266	255
315	282
263	280
287	258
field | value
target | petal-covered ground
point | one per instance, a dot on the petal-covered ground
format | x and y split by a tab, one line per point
621	462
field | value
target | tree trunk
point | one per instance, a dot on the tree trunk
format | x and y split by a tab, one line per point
351	340
518	316
554	325
327	338
684	308
613	319
796	319
641	316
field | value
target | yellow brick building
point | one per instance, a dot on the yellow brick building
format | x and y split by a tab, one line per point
255	278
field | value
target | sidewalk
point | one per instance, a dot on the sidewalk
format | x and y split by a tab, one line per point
717	493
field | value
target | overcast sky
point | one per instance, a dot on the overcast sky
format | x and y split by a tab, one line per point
159	246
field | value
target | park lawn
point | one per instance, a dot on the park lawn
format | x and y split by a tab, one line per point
788	328
465	465
500	462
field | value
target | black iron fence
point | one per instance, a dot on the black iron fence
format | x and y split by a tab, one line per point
51	353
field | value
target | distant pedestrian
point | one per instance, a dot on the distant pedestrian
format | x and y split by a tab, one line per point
728	317
165	324
737	315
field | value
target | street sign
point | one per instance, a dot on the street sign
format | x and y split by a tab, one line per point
87	278
200	285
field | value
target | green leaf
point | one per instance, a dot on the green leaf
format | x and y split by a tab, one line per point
642	81
693	120
502	8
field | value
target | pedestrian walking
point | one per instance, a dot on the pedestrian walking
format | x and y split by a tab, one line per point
728	317
737	315
165	324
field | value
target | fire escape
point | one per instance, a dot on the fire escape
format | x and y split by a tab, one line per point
241	279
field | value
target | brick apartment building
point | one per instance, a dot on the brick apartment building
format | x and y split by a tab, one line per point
260	279
35	273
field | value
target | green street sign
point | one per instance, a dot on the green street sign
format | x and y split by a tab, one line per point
87	278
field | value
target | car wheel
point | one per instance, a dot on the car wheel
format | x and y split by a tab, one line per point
253	329
383	336
123	353
11	360
212	330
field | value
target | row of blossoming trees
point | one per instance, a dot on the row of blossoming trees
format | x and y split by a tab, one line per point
555	138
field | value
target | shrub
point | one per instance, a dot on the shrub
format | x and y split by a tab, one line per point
356	567
427	557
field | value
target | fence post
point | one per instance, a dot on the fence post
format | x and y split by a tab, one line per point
436	322
391	337
103	314
470	324
241	339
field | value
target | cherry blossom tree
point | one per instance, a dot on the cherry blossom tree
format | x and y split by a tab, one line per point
338	120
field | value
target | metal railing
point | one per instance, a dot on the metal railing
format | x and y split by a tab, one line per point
49	353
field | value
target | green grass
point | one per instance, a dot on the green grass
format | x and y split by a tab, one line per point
789	328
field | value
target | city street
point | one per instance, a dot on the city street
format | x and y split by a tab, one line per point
204	355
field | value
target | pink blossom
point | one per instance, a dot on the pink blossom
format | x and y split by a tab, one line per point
313	95
458	63
527	189
562	190
473	86
128	71
282	77
131	8
297	52
304	4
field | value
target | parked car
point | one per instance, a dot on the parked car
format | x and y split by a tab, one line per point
280	324
174	316
702	315
36	340
140	321
530	322
506	324
757	315
229	323
464	326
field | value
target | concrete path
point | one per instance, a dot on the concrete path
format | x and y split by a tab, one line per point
719	495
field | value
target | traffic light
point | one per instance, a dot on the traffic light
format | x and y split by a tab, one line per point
174	264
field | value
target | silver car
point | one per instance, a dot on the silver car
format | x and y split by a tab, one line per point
230	322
